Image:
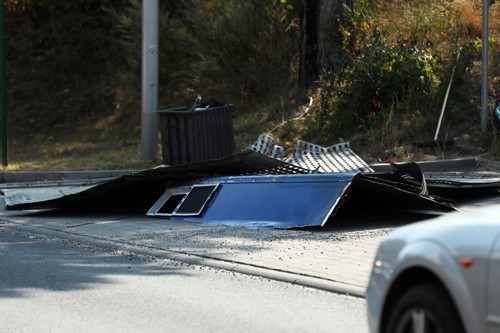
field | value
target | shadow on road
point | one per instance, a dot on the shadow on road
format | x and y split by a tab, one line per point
31	262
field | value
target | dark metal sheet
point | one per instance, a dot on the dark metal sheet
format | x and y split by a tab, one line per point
144	188
456	185
243	163
377	194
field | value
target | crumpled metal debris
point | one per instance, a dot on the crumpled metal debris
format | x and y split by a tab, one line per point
255	190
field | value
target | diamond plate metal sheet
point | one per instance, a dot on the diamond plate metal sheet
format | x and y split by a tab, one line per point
265	145
336	158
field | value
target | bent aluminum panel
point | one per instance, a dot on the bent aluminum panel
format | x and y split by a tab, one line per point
26	196
280	201
131	191
293	201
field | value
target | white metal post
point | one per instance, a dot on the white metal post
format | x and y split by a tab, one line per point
149	117
484	68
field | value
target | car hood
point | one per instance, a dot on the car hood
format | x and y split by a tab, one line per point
459	232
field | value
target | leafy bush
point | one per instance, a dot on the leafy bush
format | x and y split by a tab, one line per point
388	85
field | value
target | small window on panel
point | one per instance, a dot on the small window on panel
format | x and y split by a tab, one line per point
169	201
171	204
196	200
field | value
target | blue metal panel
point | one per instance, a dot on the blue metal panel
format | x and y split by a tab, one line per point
278	201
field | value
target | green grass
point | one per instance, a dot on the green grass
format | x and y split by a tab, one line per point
117	148
77	153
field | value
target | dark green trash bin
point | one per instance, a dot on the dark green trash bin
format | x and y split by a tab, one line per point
198	135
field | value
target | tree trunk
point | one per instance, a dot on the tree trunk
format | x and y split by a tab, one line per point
320	39
308	15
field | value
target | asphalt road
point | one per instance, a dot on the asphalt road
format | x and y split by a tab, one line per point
55	285
58	284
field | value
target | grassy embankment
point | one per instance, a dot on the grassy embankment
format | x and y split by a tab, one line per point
75	131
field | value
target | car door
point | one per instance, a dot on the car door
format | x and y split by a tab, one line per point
493	291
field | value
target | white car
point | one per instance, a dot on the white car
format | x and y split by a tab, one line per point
442	275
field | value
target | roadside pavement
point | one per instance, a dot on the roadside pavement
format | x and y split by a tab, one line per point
336	259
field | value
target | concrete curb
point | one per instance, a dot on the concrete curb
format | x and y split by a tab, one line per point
467	163
193	259
35	176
